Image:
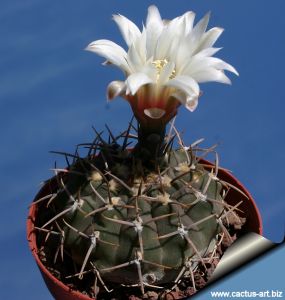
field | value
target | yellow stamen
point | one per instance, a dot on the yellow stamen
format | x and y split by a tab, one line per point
159	64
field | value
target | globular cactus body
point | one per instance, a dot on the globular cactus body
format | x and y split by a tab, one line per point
134	226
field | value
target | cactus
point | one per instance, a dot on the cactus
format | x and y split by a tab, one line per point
133	224
150	218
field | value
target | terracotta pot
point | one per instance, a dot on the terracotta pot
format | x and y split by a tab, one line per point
63	292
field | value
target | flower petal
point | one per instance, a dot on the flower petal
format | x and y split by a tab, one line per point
166	72
209	38
201	27
114	53
141	46
150	70
189	18
154	112
128	29
166	39
221	65
192	103
208	52
184	83
211	74
189	101
154	26
135	81
134	59
153	17
115	89
186	45
187	68
199	64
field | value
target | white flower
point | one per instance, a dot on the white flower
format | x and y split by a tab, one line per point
164	63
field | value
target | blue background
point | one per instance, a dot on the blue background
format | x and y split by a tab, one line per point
52	93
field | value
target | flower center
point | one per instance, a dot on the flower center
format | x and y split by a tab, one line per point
159	65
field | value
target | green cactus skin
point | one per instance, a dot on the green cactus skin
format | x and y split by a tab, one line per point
135	225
